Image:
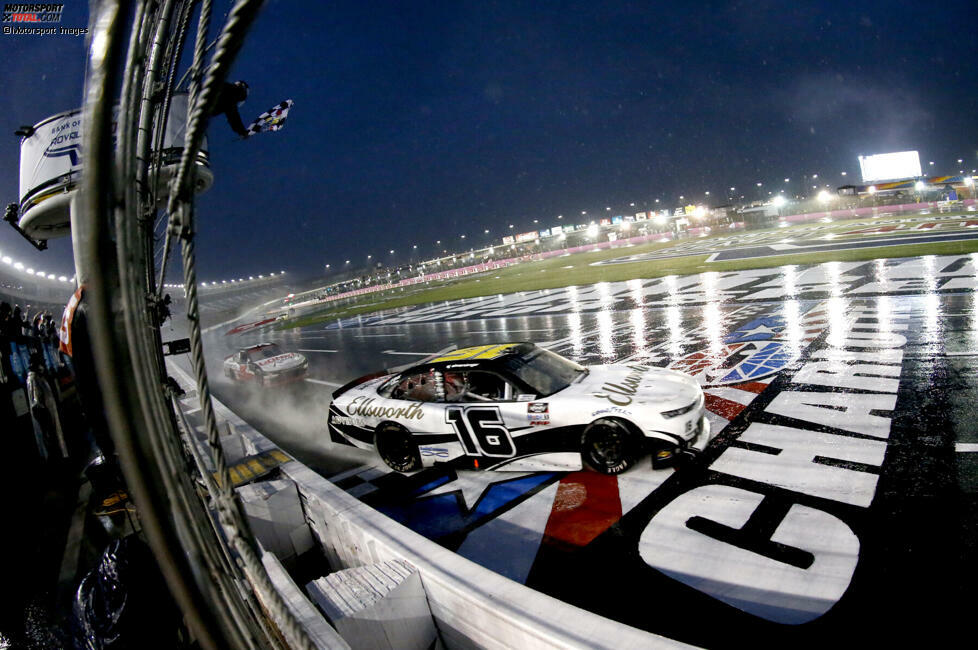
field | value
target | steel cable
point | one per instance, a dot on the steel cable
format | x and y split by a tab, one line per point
181	223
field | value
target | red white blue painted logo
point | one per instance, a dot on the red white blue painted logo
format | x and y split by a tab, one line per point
749	353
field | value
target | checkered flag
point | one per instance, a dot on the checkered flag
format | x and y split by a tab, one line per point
271	120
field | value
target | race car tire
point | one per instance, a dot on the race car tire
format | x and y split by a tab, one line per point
608	447
397	448
229	373
259	379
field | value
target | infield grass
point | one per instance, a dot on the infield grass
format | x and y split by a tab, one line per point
577	269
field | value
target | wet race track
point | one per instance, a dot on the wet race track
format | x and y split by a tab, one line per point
836	502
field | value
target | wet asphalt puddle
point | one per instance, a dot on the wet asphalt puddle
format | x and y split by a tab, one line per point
836	502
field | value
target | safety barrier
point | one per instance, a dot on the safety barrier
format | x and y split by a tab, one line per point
472	606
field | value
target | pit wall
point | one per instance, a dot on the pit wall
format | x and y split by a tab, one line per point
473	607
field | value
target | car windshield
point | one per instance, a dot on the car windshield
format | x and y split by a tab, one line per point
265	352
545	372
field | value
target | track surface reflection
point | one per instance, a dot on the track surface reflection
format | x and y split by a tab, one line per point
839	489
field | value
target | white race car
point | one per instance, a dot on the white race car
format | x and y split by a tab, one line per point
266	365
518	407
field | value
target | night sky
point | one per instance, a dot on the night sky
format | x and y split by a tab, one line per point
415	122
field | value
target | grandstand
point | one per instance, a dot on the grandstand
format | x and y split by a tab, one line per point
226	299
25	286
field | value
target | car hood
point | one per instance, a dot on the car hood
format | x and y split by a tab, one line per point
635	385
281	362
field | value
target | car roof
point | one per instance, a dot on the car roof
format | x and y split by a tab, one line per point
484	357
259	346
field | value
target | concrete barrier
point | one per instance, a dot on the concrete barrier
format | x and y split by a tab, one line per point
472	606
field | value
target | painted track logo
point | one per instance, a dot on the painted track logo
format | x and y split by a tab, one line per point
736	363
751	352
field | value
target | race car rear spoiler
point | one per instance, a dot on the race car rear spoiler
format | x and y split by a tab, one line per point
389	371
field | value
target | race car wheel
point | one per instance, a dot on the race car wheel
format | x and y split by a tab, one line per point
259	379
397	448
607	446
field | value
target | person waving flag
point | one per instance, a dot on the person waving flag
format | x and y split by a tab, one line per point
271	120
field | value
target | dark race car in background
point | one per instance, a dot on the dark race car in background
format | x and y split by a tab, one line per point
518	407
266	364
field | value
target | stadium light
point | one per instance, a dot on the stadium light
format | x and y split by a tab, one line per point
871	189
824	197
919	186
778	201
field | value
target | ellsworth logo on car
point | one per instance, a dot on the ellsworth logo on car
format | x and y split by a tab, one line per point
537	407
